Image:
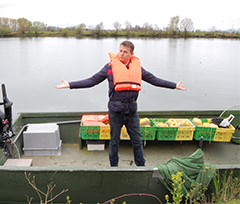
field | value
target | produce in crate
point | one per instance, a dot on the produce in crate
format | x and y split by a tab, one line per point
200	123
185	123
174	124
161	124
170	121
95	120
145	122
197	121
207	124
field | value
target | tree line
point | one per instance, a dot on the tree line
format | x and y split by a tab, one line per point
176	27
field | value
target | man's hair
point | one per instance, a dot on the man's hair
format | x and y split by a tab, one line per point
127	43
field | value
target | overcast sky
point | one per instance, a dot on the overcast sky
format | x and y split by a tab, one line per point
205	14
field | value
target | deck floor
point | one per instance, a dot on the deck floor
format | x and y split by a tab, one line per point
155	153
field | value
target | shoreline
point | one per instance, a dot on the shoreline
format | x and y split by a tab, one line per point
113	34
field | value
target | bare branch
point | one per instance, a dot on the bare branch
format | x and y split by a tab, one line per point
50	188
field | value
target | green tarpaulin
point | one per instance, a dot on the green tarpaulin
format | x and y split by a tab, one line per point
194	171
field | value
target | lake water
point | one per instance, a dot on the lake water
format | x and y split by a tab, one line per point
31	67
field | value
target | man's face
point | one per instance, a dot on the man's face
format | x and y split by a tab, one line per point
124	54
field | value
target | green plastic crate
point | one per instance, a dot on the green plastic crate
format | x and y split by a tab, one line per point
182	133
208	133
165	133
89	132
149	133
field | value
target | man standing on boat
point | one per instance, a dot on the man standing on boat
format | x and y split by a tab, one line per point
124	74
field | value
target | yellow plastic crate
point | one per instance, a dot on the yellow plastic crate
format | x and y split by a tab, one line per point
124	134
224	134
105	133
185	133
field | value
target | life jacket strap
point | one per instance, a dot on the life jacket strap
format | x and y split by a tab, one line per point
124	103
127	82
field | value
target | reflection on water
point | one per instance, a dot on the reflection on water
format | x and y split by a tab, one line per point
31	67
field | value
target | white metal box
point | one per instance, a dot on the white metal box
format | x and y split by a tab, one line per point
93	145
42	140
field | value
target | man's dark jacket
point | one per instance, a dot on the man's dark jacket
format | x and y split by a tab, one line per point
119	101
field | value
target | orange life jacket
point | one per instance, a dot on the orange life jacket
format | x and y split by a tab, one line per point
126	79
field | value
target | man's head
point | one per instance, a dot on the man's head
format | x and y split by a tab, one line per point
125	51
129	44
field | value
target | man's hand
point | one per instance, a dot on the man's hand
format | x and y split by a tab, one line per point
64	85
179	86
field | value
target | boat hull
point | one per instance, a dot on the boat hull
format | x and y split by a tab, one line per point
94	183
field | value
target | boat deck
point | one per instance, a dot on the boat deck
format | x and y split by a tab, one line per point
155	153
